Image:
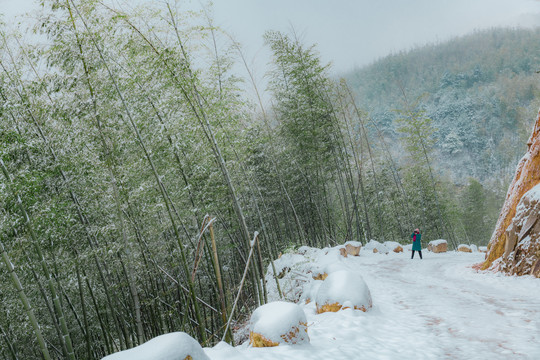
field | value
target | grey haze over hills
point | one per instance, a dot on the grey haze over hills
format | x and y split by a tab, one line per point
347	33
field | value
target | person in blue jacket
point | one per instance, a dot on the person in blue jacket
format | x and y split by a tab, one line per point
416	245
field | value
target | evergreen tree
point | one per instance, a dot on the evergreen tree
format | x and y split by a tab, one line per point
475	214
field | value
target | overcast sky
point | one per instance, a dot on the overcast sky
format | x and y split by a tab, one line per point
353	33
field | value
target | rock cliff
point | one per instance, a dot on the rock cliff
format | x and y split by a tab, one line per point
515	244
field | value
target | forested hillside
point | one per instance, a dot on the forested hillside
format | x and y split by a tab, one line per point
480	90
142	193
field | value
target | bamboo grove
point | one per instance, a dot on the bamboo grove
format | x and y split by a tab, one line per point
142	194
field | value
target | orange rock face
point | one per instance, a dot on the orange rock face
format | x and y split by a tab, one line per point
503	243
522	249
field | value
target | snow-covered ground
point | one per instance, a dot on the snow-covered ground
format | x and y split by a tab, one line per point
435	308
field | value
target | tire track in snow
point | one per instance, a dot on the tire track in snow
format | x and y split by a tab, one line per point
461	313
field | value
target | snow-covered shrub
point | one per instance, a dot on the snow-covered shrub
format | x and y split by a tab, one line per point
376	247
172	346
292	271
341	290
310	290
302	250
277	323
296	271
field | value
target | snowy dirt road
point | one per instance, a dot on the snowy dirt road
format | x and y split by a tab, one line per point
435	308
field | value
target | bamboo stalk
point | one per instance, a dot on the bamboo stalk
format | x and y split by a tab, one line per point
9	345
24	299
160	185
50	310
200	245
85	313
56	301
82	218
228	336
252	246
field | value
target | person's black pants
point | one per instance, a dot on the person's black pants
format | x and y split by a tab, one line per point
419	253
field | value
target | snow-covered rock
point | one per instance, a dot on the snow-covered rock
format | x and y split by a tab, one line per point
438	246
482	249
376	247
353	248
278	323
341	290
464	248
503	242
172	346
474	248
393	246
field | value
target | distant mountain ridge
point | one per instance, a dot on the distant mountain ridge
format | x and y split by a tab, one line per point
481	91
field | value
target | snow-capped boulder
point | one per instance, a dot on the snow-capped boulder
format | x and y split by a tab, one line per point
341	290
482	249
353	247
518	233
438	246
474	248
343	252
464	248
172	346
278	323
393	246
376	247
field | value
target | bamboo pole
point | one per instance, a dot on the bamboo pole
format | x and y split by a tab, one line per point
228	336
24	299
85	312
9	345
252	246
66	338
160	185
